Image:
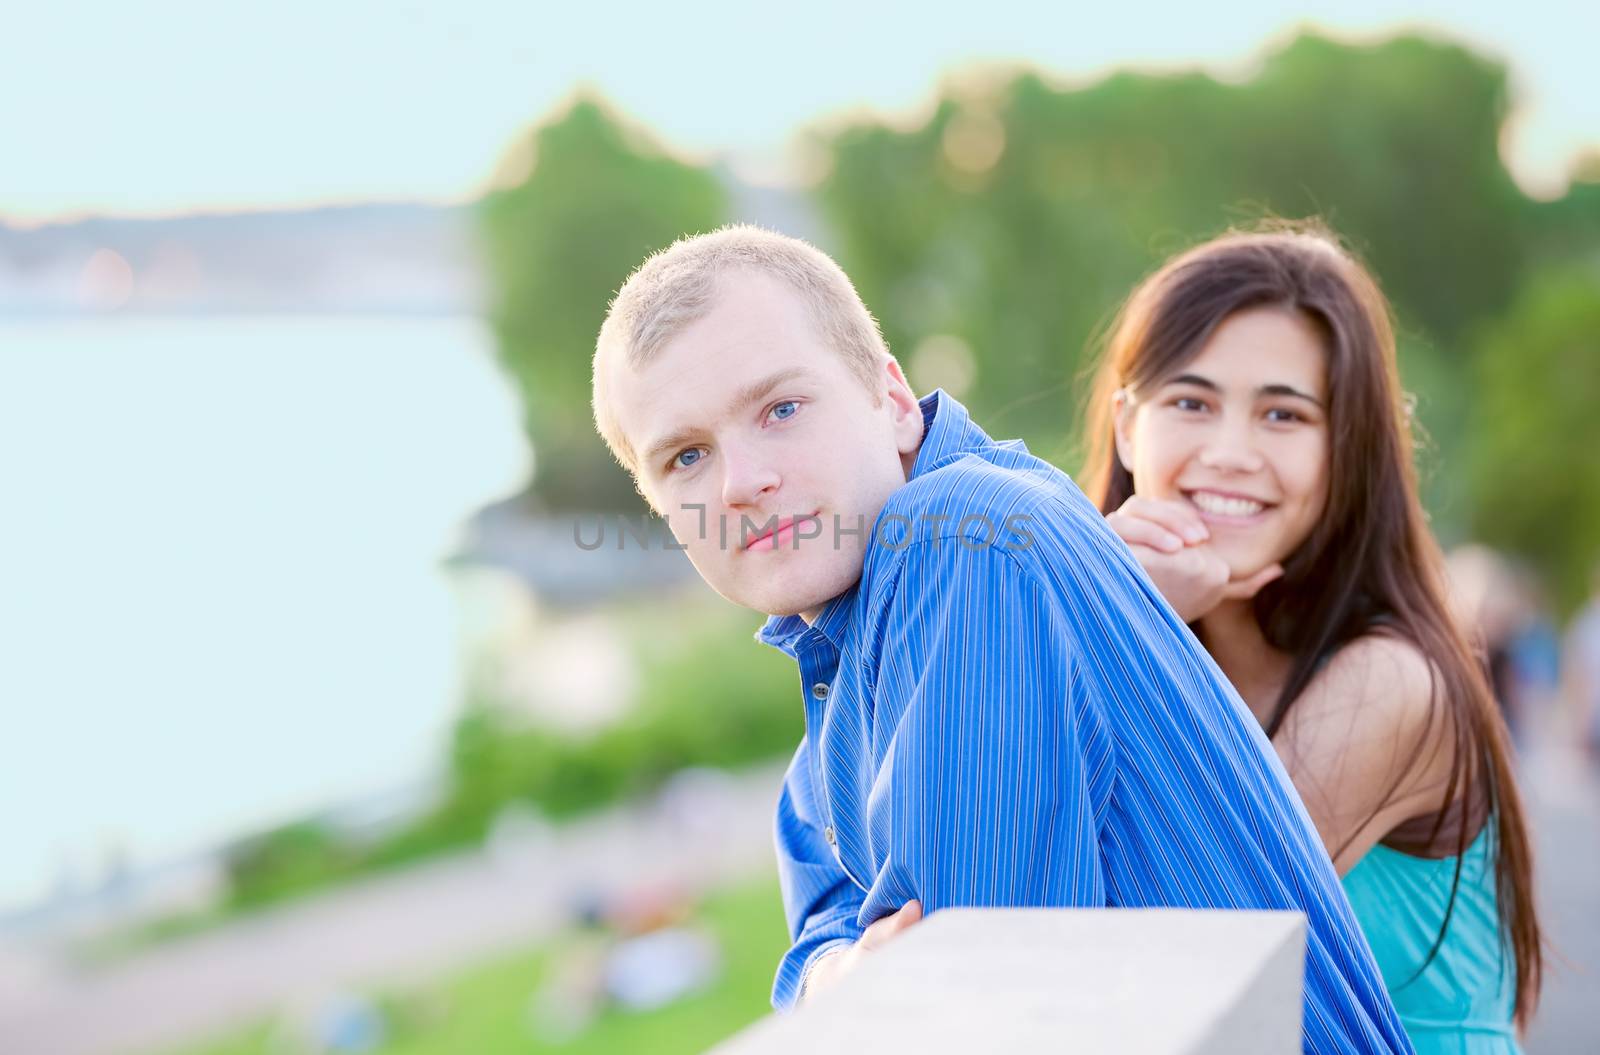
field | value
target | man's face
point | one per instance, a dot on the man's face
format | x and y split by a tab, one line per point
753	437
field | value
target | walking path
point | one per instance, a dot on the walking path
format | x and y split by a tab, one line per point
706	831
1564	798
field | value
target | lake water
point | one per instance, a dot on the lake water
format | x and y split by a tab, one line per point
221	601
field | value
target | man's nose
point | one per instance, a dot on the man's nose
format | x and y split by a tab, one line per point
747	478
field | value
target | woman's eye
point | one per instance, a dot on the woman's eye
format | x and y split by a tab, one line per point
686	458
785	410
1281	415
1189	403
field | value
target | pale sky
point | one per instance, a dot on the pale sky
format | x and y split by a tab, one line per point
173	105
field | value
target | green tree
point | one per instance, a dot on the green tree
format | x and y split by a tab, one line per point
1568	228
1536	435
598	196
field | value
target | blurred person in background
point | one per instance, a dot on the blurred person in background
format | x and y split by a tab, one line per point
1533	658
995	715
1580	671
1499	603
1485	601
1248	440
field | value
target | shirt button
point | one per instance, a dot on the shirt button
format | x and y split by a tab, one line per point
827	833
820	690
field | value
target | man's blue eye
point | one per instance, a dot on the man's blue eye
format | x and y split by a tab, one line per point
687	458
785	410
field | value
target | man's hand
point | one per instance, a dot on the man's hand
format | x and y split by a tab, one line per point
827	971
1171	542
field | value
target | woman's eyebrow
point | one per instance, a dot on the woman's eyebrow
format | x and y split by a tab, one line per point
1196	380
1287	390
1274	389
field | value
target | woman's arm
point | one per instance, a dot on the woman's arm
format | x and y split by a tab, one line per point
1367	746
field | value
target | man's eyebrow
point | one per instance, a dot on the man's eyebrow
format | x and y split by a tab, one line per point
759	390
751	393
670	442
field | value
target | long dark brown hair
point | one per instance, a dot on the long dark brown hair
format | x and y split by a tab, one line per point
1370	565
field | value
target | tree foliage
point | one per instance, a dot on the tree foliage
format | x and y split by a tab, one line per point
1020	214
598	197
1535	451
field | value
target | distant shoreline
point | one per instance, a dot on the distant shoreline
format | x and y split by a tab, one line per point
373	259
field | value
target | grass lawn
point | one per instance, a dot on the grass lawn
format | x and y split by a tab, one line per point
491	1009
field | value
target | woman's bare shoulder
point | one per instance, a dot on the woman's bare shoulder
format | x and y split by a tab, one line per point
1368	743
1380	683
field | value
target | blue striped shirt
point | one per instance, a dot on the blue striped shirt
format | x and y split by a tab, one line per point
1004	711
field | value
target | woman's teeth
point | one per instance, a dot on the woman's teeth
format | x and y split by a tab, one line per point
1223	506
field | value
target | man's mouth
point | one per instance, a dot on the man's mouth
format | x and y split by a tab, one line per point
781	535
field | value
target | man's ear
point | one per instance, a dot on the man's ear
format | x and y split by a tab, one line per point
903	404
1122	411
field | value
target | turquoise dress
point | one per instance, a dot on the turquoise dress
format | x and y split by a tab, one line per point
1461	1003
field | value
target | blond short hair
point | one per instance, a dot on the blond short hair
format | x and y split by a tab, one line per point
678	286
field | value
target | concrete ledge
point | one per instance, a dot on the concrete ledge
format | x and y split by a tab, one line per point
1123	981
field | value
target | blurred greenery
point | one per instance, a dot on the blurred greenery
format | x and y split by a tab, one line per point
1023	213
708	696
598	196
1013	220
490	1009
1536	436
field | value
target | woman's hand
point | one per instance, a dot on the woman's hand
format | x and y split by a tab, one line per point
1172	543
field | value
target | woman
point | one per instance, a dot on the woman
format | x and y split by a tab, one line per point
1250	442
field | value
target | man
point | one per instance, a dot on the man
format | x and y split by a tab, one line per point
1000	709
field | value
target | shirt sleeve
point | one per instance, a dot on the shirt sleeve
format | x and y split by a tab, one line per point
981	795
820	901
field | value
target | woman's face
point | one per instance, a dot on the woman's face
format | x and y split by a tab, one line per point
1240	433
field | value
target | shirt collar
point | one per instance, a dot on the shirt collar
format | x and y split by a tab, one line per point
947	431
784	632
